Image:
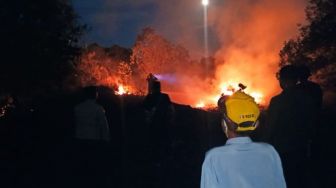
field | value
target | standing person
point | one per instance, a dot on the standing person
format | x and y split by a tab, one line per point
241	162
289	124
91	123
310	88
159	115
151	79
92	137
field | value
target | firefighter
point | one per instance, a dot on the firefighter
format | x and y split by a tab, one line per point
241	162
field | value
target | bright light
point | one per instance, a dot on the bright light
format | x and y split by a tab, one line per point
200	105
258	97
121	90
205	2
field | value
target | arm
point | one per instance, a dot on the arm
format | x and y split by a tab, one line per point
280	178
208	178
271	120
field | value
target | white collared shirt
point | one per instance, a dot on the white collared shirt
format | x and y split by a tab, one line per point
241	163
91	123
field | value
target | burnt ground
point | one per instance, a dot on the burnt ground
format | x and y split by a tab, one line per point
38	150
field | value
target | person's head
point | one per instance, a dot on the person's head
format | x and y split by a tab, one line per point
304	73
90	92
156	87
240	115
288	76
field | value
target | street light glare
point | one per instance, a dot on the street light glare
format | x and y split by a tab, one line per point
205	2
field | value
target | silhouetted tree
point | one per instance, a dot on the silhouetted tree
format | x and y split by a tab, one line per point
316	44
38	42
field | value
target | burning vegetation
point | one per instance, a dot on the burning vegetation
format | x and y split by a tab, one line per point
251	36
187	81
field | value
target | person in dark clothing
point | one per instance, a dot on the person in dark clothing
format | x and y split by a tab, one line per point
151	79
159	115
311	88
290	125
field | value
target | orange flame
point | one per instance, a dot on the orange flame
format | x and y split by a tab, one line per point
229	88
201	104
122	90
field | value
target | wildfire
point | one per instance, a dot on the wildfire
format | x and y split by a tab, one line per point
228	89
122	90
201	104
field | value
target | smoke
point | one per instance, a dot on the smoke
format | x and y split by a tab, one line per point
250	34
245	37
170	78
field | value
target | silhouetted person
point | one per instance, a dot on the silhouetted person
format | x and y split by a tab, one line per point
92	136
311	88
151	79
159	112
289	126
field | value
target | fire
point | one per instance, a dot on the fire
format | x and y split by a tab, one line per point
228	89
201	104
122	90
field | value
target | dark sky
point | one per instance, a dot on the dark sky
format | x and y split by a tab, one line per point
119	21
114	21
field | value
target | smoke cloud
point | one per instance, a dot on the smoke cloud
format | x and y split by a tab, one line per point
250	34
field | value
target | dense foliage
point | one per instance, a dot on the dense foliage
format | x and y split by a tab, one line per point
104	66
38	42
316	44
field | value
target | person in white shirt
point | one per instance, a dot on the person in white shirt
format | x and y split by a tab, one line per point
91	123
92	147
241	163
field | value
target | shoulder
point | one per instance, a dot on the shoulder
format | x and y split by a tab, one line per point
263	145
165	95
275	100
217	151
265	148
276	97
99	107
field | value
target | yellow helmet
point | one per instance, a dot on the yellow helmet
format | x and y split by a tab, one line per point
242	110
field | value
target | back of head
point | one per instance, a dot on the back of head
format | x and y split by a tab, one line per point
90	92
304	72
288	76
241	113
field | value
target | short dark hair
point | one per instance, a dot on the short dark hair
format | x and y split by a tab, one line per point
304	72
90	92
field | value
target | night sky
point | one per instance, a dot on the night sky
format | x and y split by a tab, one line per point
119	21
114	21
